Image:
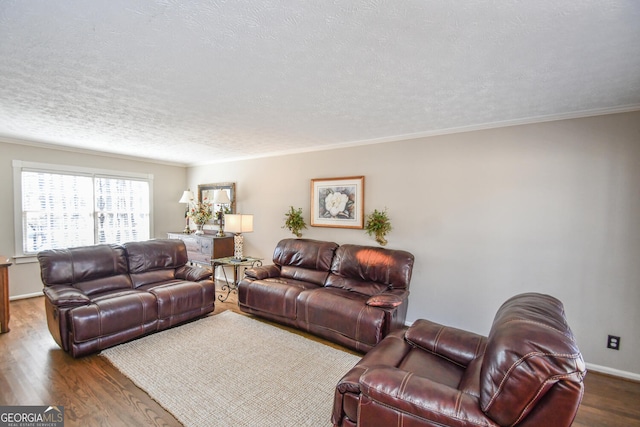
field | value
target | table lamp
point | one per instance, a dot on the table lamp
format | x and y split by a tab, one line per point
238	224
187	197
221	198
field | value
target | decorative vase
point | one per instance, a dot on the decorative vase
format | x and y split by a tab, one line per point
199	229
381	240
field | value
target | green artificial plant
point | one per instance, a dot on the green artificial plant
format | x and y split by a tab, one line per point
294	221
378	225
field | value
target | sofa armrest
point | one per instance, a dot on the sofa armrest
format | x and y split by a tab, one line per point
192	274
457	345
263	272
389	299
405	392
65	296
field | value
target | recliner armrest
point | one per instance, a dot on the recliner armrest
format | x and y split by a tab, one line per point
388	299
456	345
350	382
65	296
263	272
408	393
192	274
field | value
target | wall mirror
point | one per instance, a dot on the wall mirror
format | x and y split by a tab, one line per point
208	191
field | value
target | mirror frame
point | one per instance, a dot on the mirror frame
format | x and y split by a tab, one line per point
207	190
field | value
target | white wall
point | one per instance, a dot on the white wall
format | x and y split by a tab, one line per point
551	207
169	183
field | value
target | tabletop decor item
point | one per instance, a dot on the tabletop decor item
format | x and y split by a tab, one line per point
187	198
337	202
201	213
294	221
238	224
221	198
378	225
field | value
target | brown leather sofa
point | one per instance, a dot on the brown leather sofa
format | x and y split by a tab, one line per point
527	372
103	295
352	295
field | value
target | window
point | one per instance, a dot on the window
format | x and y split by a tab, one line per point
63	207
122	210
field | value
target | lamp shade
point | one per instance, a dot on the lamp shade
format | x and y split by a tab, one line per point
238	223
187	197
221	197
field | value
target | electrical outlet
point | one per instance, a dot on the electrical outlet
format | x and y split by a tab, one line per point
613	342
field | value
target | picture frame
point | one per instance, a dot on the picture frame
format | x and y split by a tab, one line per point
337	202
207	191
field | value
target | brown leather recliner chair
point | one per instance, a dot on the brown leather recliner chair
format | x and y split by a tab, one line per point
527	372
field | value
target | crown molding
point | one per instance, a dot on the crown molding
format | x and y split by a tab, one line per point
349	144
438	132
59	147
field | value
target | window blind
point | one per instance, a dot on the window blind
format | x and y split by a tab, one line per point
122	210
61	210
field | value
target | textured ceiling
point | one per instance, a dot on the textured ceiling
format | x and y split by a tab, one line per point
194	82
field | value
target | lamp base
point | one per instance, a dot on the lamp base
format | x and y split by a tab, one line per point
238	246
187	229
220	232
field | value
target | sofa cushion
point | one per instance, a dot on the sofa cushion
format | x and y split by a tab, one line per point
180	300
155	260
92	269
304	259
340	312
370	270
113	313
433	367
140	280
277	296
516	373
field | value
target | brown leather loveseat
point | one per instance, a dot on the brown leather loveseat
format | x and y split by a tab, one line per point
103	295
352	295
527	372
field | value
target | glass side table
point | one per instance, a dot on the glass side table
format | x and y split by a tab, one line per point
228	287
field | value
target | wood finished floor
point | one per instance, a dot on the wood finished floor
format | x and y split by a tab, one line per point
34	371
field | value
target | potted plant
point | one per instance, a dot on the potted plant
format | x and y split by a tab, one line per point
294	221
378	224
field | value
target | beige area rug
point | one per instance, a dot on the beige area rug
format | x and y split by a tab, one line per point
232	370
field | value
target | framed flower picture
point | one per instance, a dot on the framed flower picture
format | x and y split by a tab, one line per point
337	202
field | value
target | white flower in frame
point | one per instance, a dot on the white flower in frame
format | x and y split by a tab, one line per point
336	203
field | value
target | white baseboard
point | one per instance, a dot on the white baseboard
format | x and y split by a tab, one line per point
25	296
613	372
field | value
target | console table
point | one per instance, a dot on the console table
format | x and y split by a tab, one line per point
4	294
203	248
